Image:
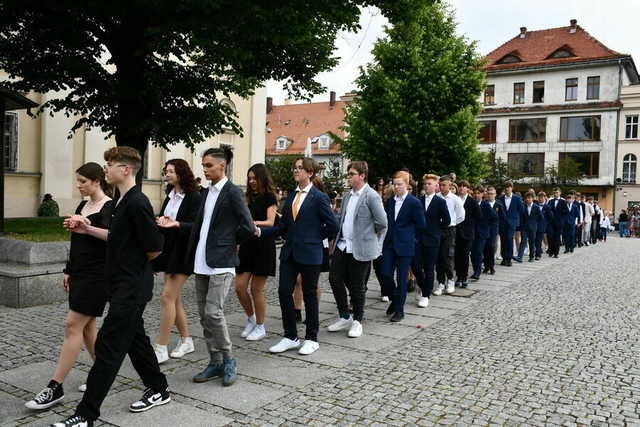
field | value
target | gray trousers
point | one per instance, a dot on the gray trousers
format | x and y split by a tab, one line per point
211	292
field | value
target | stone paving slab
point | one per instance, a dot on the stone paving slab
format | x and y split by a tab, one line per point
242	397
365	342
11	408
277	369
329	355
115	411
34	377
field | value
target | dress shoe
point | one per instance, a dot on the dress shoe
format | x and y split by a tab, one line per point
518	259
411	285
397	317
504	262
509	264
390	310
464	285
566	251
538	258
555	255
484	271
492	271
477	276
530	259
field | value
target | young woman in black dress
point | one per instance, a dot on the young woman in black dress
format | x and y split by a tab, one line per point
83	279
257	255
178	211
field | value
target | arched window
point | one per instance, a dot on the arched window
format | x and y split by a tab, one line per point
229	103
629	165
509	59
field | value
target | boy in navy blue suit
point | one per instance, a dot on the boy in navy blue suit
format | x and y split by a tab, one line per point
487	220
531	216
405	218
508	224
490	244
570	221
559	211
544	223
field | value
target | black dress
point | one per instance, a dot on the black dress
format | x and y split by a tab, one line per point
173	259
87	288
258	254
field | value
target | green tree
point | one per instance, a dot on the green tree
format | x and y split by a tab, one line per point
333	177
280	168
155	71
419	99
567	173
497	171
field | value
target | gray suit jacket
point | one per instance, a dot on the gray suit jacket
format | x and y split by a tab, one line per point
369	225
231	224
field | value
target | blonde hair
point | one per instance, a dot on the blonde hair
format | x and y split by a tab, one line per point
402	175
430	176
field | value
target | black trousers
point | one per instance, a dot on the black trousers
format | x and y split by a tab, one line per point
429	257
122	333
490	253
289	270
554	234
462	252
445	262
349	274
377	268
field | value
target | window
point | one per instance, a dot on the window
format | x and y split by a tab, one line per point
538	91
589	162
518	93
629	164
489	95
509	59
585	128
324	142
487	132
593	87
527	130
563	52
281	143
571	90
527	164
11	141
631	127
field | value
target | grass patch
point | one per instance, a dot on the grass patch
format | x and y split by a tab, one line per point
36	229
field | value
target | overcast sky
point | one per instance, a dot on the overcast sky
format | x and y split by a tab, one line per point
616	23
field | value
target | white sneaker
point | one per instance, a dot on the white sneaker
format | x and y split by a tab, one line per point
356	329
384	298
308	347
257	334
451	287
439	289
162	354
423	302
247	329
185	346
340	324
284	345
82	388
498	258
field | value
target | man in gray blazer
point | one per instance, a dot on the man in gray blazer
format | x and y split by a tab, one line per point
222	223
363	223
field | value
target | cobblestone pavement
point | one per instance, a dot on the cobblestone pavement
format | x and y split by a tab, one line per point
548	343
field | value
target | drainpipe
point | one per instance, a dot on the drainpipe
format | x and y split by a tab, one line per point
615	164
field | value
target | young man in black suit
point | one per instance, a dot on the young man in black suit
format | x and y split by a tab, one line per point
465	233
559	210
222	223
490	244
438	220
531	216
488	220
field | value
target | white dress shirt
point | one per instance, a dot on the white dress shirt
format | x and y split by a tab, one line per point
347	226
399	201
455	208
529	207
507	201
200	264
175	200
427	201
305	193
491	203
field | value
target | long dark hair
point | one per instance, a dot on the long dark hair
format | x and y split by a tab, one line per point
95	172
185	175
263	179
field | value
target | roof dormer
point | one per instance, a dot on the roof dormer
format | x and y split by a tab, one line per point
562	52
510	58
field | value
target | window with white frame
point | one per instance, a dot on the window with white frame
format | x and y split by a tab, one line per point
281	143
324	142
11	141
629	165
631	127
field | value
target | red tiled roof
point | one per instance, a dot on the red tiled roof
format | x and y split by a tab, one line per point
298	122
536	47
557	107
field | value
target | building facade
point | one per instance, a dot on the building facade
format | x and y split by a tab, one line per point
303	129
628	184
555	94
40	158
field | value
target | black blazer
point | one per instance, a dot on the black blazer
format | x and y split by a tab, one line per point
231	224
472	214
187	212
560	210
438	219
529	223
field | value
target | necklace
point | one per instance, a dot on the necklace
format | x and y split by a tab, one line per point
92	203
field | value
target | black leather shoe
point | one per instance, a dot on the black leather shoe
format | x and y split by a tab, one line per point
390	310
509	264
538	258
464	284
530	259
411	285
397	317
518	259
485	270
492	271
566	251
555	255
504	262
476	276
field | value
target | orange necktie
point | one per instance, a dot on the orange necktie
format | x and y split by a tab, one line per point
296	202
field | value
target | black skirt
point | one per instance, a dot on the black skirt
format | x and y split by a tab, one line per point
173	259
258	257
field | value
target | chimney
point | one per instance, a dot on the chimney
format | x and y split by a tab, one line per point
332	99
523	32
574	24
269	105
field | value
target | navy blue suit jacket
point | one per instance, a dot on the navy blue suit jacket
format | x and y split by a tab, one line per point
487	224
559	209
402	232
303	237
573	215
513	214
530	221
437	218
546	218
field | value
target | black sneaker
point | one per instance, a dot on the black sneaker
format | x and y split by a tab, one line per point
149	399
75	421
49	396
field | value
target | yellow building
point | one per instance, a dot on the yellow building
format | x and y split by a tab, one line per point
40	159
